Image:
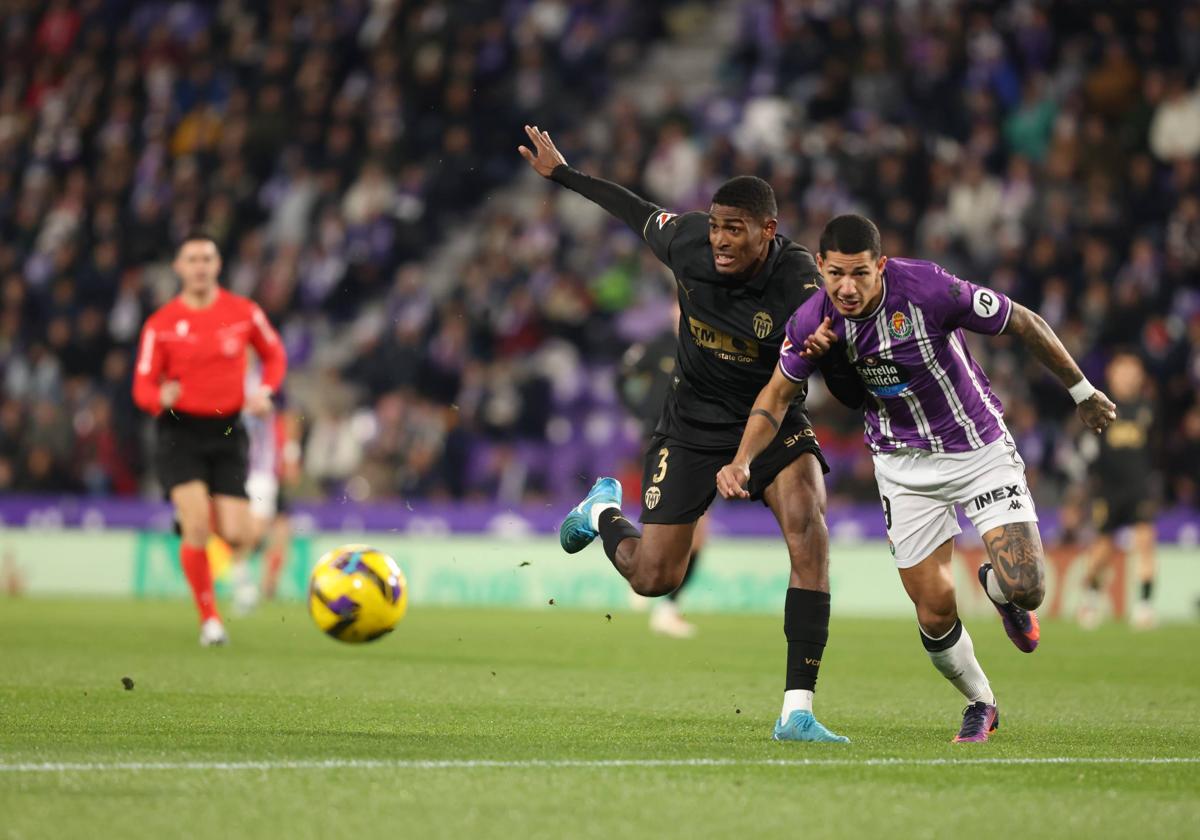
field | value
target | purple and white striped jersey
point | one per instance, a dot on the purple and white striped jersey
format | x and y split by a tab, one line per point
259	430
926	390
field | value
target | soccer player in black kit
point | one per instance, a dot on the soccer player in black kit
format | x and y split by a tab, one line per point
1124	494
738	283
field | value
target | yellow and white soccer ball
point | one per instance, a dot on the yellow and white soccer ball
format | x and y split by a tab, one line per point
357	593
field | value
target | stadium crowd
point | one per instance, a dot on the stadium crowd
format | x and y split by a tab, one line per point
1046	148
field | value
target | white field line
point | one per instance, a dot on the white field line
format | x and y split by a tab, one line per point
520	764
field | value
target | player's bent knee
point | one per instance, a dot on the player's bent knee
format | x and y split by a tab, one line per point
937	611
655	582
806	537
937	621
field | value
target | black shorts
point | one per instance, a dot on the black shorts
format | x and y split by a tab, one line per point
1110	515
214	450
679	482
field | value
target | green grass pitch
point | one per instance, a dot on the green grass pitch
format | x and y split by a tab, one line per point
519	724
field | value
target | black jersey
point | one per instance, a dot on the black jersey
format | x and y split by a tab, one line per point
1125	463
730	328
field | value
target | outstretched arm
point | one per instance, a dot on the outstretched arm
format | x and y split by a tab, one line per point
548	162
761	428
1095	409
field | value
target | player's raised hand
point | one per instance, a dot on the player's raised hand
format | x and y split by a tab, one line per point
732	481
819	343
545	155
1097	411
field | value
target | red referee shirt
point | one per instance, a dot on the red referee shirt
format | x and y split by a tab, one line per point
205	351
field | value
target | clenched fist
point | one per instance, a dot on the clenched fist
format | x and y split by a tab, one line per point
732	481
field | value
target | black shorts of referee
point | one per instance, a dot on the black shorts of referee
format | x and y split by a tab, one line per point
214	450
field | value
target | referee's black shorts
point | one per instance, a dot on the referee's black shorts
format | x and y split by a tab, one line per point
679	481
214	450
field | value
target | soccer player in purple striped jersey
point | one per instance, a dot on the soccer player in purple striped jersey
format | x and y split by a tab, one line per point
936	432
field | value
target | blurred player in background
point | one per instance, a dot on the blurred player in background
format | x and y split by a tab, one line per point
643	382
1124	491
191	372
738	282
936	432
274	463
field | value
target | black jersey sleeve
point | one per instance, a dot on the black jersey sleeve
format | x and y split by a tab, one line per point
842	380
649	221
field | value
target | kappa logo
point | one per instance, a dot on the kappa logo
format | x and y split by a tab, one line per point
1008	491
652	498
662	218
181	328
1015	505
763	324
899	325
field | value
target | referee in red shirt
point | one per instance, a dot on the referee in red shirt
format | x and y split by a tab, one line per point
191	372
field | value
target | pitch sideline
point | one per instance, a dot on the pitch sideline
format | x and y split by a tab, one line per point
520	764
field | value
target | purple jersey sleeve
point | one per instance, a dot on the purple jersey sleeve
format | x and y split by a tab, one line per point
801	325
958	303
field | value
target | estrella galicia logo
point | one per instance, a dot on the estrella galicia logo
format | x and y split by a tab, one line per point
883	377
899	325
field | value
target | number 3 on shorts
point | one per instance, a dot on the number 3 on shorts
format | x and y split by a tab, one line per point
661	472
887	512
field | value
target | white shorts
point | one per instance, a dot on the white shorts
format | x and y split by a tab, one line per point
263	489
919	490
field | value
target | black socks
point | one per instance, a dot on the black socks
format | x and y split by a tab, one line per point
806	627
614	527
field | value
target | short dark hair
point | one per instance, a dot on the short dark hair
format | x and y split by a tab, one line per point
749	193
850	234
196	236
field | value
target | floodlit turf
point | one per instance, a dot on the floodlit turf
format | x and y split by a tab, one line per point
520	688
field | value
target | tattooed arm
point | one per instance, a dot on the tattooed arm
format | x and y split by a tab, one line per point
1097	411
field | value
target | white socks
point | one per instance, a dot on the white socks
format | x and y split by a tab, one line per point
957	663
599	509
794	699
993	588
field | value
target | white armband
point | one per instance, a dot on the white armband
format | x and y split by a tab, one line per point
1081	390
